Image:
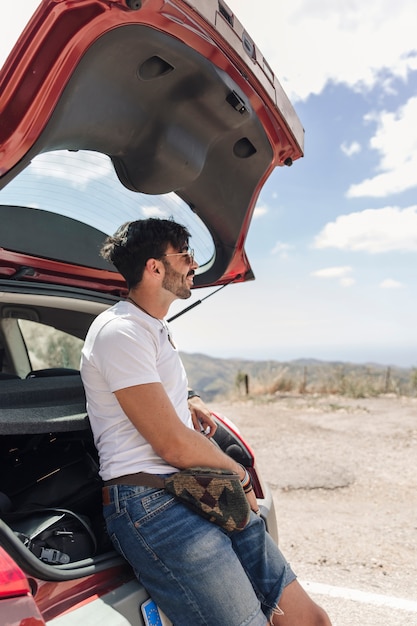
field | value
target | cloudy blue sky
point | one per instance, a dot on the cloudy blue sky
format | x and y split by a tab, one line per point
333	243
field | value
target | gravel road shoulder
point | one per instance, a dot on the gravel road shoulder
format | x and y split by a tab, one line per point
344	481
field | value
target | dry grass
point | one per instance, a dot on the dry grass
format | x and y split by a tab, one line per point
337	380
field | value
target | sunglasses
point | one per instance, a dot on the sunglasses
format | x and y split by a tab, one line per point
188	255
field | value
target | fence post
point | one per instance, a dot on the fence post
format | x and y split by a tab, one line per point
247	384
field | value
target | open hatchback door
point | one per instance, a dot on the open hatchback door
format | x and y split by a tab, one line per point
112	110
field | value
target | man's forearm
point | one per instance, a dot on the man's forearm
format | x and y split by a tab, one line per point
172	440
192	449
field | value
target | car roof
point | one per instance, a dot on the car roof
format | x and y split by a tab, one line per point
113	111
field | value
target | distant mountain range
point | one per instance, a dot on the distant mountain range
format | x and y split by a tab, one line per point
219	378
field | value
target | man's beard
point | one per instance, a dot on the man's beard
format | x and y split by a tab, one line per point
175	282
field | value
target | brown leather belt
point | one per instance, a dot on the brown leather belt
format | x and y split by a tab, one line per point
140	479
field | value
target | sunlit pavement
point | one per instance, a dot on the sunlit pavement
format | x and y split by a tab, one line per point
352	607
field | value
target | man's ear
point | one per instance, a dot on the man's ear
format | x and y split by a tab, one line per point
152	266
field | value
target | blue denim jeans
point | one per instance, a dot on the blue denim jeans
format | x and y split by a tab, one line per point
197	573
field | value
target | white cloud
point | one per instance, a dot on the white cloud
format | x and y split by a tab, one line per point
13	22
383	185
65	165
396	142
282	249
260	211
389	283
339	272
350	149
152	211
333	272
373	230
356	43
347	282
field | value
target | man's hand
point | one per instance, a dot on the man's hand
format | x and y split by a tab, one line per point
201	416
253	503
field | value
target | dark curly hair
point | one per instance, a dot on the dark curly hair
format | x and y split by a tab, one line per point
135	242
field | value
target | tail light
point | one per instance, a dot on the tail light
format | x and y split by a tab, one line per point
231	442
13	581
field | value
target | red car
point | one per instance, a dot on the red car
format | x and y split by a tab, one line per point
110	110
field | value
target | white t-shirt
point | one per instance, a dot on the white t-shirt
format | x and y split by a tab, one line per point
126	347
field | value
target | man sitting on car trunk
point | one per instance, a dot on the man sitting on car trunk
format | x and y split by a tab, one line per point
136	389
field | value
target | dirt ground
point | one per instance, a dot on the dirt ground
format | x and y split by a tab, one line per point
344	478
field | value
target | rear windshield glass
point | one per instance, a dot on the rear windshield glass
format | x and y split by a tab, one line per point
83	185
